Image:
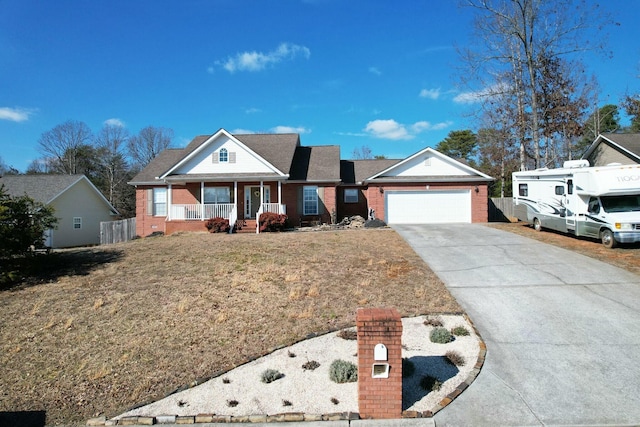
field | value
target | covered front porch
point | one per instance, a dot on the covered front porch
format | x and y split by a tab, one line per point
235	201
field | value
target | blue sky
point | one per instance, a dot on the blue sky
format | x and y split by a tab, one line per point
346	72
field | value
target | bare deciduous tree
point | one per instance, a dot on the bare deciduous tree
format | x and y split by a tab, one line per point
149	142
112	165
67	143
513	36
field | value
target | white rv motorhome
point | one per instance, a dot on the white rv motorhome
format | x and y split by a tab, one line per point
599	202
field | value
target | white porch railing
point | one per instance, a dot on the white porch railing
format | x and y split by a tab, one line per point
269	207
199	211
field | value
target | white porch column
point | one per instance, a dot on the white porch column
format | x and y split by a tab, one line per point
279	192
169	203
261	192
235	197
201	200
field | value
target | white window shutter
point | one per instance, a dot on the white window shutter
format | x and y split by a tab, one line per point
215	157
149	201
232	157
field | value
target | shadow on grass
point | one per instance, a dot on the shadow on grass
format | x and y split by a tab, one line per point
44	268
438	367
23	418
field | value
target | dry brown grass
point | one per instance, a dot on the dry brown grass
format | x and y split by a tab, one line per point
626	256
110	327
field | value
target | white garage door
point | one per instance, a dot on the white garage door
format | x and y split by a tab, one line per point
428	207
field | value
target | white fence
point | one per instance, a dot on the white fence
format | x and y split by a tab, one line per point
117	231
200	212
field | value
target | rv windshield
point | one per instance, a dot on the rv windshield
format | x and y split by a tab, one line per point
621	203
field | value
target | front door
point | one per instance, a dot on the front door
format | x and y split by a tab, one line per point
252	200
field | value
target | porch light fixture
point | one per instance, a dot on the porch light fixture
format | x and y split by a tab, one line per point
381	190
477	190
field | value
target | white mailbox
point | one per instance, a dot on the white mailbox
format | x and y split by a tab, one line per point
380	352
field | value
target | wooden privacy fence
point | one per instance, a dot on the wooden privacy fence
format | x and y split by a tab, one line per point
117	231
501	209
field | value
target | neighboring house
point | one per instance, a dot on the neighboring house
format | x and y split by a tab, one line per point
78	204
623	148
240	176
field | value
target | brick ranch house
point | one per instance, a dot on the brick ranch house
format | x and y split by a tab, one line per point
240	176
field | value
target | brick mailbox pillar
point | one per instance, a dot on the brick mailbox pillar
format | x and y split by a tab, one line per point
379	363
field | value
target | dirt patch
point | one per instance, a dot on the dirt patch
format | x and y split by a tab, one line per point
626	256
154	314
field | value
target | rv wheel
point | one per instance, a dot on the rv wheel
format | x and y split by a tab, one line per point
607	238
536	224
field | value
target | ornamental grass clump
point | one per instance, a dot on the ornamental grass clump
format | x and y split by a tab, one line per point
271	375
341	371
455	358
440	335
429	383
460	331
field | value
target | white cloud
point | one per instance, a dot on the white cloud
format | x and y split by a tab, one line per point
15	114
211	70
375	70
240	131
257	61
289	129
114	122
390	129
252	110
479	95
430	93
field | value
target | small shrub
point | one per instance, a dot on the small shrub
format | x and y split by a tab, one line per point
270	221
348	334
291	354
455	358
433	321
334	401
286	402
218	225
270	375
226	380
460	331
408	368
310	366
343	372
232	403
429	383
440	335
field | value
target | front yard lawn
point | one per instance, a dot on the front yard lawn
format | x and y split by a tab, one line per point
102	329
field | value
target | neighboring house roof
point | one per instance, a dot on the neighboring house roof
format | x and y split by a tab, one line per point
628	144
45	188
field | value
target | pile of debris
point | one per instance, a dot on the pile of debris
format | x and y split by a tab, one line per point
357	221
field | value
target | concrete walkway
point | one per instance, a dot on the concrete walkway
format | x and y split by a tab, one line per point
562	330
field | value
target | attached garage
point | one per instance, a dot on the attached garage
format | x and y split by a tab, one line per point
428	207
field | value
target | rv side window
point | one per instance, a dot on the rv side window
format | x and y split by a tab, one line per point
523	190
594	205
570	186
559	190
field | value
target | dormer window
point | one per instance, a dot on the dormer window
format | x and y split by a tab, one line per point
224	155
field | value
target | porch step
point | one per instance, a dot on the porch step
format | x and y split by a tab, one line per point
246	226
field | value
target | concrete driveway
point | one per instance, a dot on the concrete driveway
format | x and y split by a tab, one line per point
562	330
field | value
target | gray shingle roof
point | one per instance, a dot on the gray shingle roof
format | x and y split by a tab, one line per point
628	141
283	151
355	171
41	188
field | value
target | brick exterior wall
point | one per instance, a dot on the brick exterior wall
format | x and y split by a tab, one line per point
479	200
379	397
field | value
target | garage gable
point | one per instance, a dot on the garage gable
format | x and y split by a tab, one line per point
429	163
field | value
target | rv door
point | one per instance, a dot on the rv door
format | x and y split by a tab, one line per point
570	214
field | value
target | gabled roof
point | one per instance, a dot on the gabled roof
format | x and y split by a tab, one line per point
356	171
388	175
45	188
627	143
282	151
